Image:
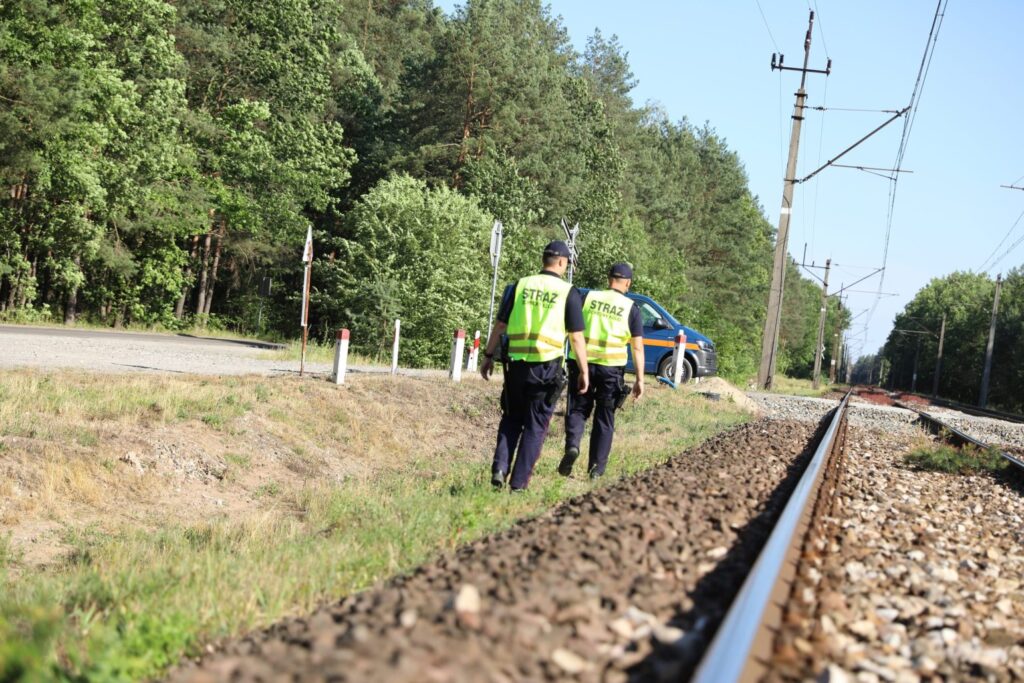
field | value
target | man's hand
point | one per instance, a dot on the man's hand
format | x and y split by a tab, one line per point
584	384
638	389
486	367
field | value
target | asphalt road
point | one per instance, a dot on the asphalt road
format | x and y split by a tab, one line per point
119	352
112	351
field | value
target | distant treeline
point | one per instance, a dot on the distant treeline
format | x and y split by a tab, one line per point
159	159
965	299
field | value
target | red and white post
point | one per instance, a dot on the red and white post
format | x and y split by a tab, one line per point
474	354
455	364
394	348
680	357
340	356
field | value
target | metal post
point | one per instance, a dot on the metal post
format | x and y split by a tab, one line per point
773	322
394	347
987	374
819	350
474	353
455	361
496	239
340	356
680	357
305	317
938	358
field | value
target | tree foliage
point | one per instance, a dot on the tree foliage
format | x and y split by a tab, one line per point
965	300
159	159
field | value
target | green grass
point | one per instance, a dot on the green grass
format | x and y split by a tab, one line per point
315	353
946	458
129	604
799	387
63	406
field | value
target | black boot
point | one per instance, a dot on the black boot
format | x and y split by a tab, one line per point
568	460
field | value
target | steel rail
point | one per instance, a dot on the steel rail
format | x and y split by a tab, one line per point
743	643
979	412
951	433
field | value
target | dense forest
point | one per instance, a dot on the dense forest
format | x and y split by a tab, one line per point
159	159
965	300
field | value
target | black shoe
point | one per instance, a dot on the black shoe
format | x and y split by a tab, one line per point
568	460
498	479
523	490
594	474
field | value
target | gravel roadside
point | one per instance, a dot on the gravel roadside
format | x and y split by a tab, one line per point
115	352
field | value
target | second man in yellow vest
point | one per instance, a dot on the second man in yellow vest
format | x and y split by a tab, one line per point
611	321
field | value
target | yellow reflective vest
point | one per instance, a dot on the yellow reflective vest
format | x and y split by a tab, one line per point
536	326
606	327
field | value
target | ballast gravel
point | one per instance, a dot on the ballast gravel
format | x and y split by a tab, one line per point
918	576
624	583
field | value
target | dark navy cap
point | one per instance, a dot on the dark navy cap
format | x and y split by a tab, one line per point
557	248
622	271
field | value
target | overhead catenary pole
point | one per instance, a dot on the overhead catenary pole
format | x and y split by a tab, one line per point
938	358
819	350
835	360
987	374
913	377
770	338
849	363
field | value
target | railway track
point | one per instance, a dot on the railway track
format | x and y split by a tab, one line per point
745	642
957	436
702	568
625	583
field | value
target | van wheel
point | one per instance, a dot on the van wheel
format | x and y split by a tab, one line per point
667	365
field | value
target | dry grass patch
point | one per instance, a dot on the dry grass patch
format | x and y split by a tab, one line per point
320	491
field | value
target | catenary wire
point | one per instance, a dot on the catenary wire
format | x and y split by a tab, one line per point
984	263
765	20
908	123
1005	253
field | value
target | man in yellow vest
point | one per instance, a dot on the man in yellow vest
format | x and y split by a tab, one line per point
611	321
537	313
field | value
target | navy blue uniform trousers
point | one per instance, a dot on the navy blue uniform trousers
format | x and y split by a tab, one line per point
605	384
524	422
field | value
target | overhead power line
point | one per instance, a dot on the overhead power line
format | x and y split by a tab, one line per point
908	125
1011	247
769	28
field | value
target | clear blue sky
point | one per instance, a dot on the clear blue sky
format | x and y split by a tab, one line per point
709	61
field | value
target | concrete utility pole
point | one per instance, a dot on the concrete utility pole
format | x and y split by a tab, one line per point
913	377
938	358
849	363
819	350
770	338
835	361
983	399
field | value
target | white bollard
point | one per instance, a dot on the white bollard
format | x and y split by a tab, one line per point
474	353
677	370
455	365
340	356
394	349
